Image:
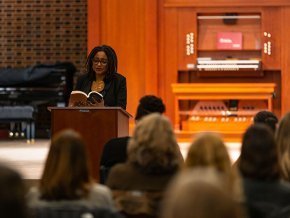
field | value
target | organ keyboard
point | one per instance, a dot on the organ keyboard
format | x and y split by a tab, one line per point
228	65
220	115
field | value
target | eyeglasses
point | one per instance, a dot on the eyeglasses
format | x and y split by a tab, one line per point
102	62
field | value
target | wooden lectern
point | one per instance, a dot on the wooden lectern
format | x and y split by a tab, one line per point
97	125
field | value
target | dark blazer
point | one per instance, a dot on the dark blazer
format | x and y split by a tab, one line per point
265	197
115	91
114	152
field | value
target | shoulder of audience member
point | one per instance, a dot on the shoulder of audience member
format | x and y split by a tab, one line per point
118	172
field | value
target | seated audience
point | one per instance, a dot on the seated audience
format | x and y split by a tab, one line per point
209	150
12	194
268	118
265	117
66	178
283	144
264	191
200	193
153	159
115	150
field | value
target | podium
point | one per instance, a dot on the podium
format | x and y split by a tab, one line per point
96	125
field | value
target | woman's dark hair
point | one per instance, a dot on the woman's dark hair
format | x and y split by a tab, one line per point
259	157
12	194
149	104
267	118
112	62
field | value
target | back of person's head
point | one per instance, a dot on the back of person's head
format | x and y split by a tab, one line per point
153	146
66	172
259	158
209	150
149	104
268	118
199	193
12	194
283	145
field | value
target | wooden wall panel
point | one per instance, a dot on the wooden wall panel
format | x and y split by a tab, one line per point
271	24
130	27
169	57
186	25
285	54
144	33
211	3
94	20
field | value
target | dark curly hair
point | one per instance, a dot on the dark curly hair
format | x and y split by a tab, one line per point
268	118
112	62
149	104
259	156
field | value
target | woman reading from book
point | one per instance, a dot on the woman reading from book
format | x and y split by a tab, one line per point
102	77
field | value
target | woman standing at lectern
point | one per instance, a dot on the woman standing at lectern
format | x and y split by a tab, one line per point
102	76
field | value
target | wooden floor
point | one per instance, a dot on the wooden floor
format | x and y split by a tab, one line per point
29	159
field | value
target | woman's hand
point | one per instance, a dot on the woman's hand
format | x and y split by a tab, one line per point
91	103
81	104
95	102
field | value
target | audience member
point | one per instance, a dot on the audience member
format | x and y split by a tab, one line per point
153	159
268	118
259	167
115	150
200	193
283	144
209	150
12	194
66	176
264	117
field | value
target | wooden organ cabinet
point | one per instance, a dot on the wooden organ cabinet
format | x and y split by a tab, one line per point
228	63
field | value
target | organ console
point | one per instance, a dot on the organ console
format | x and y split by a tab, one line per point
227	108
228	65
221	116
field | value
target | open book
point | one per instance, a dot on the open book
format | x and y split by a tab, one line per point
79	98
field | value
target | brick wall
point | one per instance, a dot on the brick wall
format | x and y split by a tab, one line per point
42	31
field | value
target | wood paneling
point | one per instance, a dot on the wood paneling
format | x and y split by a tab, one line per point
222	3
130	27
271	24
285	55
146	37
169	58
94	20
186	26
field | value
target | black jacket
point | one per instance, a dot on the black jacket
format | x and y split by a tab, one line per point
115	91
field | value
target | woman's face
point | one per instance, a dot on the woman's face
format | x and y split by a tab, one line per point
100	63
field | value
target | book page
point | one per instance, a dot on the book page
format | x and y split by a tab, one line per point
76	97
95	97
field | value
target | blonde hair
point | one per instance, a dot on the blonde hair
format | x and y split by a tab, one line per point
283	146
153	147
209	150
199	193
